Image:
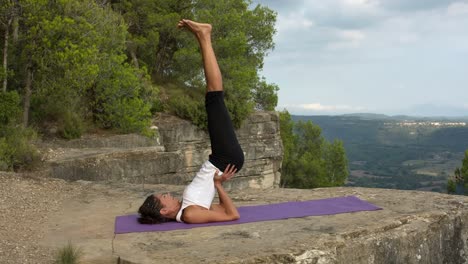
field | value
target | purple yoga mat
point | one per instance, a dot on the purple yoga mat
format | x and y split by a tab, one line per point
257	213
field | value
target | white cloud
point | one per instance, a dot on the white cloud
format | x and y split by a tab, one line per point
295	21
457	8
347	39
361	50
352	35
328	108
355	2
317	108
369	5
407	38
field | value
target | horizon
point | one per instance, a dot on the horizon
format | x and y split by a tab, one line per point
392	57
389	116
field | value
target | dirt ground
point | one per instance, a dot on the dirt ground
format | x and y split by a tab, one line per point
26	202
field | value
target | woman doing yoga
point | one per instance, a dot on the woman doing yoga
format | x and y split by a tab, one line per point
226	155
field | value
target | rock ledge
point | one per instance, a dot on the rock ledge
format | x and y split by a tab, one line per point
413	227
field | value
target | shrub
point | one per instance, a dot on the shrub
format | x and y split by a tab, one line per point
9	106
68	255
16	150
127	115
451	186
185	106
71	126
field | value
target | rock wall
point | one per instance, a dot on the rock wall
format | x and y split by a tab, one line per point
173	157
259	138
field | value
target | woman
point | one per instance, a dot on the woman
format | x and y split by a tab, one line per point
226	155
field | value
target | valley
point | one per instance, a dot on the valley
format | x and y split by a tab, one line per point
397	152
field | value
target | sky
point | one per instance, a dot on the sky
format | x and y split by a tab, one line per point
370	56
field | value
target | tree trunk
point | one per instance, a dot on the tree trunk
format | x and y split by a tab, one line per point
15	29
5	55
27	95
134	58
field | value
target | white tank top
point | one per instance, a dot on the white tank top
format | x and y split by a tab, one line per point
201	190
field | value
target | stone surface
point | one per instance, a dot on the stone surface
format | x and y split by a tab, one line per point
171	158
105	141
413	227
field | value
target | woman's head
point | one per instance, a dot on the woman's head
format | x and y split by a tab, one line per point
158	209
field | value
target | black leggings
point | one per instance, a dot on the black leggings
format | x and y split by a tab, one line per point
225	149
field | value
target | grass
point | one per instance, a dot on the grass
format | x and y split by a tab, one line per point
68	254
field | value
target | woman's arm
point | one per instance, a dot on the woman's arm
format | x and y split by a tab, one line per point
226	202
197	215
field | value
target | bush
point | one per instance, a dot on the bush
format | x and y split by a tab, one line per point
451	186
186	107
71	126
127	115
16	150
9	107
68	255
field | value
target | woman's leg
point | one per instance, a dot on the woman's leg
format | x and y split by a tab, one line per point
224	144
214	81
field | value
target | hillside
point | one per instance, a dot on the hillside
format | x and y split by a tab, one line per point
397	152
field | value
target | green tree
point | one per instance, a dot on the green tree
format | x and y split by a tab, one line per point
265	96
241	37
71	55
309	161
9	107
336	164
9	22
451	186
460	177
288	139
464	168
153	36
309	171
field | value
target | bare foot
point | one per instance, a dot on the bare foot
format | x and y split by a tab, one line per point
199	29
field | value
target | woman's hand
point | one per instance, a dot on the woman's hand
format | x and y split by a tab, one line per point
227	174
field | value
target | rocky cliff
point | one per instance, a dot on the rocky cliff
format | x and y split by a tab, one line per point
172	157
413	227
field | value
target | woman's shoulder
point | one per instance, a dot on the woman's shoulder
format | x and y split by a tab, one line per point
191	211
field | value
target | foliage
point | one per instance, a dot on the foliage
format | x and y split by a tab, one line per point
309	160
16	150
336	163
9	107
451	186
241	39
182	104
68	254
93	63
117	100
265	96
287	136
71	126
75	51
460	177
89	62
464	168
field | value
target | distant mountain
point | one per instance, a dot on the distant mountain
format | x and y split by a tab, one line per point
370	116
417	112
436	110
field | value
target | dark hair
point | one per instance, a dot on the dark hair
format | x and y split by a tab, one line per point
150	211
